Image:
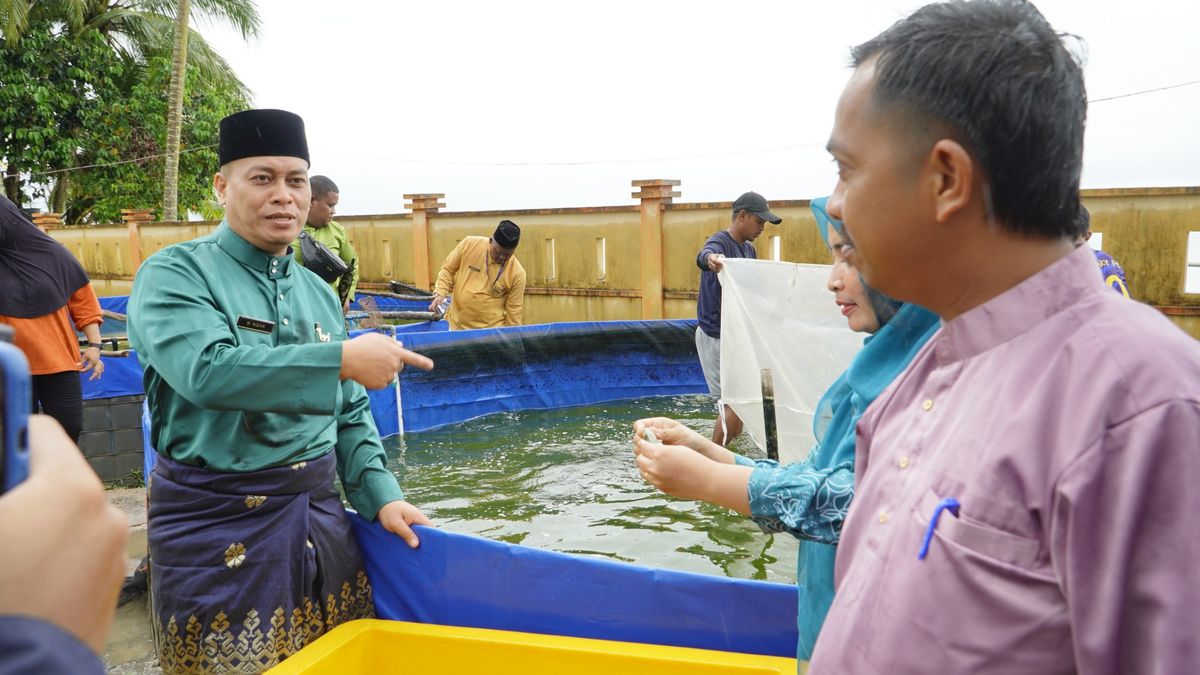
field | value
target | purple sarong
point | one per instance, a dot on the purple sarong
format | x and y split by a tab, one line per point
248	568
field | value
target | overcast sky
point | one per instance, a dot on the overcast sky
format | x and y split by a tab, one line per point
525	104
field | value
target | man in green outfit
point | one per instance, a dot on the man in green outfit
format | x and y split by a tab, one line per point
257	403
322	228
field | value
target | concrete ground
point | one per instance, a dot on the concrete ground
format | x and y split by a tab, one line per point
130	648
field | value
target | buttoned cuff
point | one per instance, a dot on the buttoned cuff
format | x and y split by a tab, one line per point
379	487
324	364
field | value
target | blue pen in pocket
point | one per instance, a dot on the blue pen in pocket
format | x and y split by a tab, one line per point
948	504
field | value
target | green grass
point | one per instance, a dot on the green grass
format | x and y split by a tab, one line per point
133	479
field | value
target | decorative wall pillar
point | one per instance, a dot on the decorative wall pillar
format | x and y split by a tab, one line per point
422	205
47	221
133	219
654	194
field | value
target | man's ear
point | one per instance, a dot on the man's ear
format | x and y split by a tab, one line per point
219	185
953	176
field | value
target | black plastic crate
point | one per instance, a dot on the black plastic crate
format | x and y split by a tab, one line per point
112	436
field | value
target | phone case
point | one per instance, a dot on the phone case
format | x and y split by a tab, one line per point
17	401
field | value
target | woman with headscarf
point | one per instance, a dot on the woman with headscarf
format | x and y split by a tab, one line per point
43	291
807	499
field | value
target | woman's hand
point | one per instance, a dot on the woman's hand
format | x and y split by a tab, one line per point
674	469
671	432
91	362
683	473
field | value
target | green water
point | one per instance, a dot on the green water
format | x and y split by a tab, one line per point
565	480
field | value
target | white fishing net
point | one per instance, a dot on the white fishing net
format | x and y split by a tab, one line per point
780	316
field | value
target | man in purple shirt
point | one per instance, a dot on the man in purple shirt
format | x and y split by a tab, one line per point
1018	510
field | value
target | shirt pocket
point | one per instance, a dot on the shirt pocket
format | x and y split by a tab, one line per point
987	595
974	535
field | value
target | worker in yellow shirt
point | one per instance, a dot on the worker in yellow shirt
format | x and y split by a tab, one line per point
486	282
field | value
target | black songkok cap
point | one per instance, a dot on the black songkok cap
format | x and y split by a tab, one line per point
507	234
262	133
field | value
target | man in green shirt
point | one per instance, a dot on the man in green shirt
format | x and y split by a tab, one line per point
255	399
324	229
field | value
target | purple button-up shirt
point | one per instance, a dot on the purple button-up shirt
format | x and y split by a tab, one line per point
1065	420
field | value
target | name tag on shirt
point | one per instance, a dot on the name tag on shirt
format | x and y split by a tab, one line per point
256	325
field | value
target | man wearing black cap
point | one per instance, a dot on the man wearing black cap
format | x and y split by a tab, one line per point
255	399
751	214
486	282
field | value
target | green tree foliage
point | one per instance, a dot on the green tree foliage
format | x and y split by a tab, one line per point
137	30
84	108
50	84
135	127
84	82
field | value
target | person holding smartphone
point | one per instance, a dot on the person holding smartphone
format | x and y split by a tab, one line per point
62	561
47	296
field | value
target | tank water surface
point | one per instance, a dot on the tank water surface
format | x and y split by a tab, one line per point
565	480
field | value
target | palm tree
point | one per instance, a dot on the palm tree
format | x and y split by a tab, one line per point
144	28
175	113
15	15
140	28
137	29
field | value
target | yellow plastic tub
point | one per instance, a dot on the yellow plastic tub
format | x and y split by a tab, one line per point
380	647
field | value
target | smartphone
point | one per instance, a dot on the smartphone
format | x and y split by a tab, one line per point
15	402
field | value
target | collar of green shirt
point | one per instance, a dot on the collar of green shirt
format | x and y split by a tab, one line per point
251	256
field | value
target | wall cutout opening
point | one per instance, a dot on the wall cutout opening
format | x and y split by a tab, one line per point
1191	283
